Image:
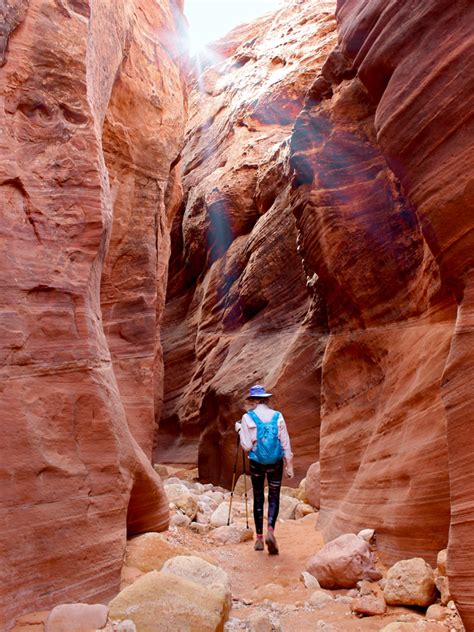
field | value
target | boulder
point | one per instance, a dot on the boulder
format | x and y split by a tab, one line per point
183	499
313	485
288	506
370	600
77	617
220	515
309	581
239	488
270	592
437	613
369	605
320	598
260	622
302	510
148	552
176	603
289	491
200	528
410	583
202	518
179	519
232	534
441	561
126	626
343	562
367	534
301	492
199	571
442	586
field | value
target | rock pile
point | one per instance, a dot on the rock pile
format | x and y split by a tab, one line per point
182	580
205	508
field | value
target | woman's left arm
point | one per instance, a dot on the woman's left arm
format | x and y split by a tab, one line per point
286	445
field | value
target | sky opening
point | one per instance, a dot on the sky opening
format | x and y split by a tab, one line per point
211	19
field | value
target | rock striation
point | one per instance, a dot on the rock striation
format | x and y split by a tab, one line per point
382	193
425	91
238	311
91	129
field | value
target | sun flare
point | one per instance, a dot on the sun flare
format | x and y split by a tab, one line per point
209	20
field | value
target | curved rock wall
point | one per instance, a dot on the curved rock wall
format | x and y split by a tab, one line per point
238	311
426	91
382	192
92	116
380	163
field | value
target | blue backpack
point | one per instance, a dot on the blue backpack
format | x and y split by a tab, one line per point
268	449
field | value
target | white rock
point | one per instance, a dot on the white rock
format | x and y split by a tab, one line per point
302	510
173	480
288	506
220	515
320	598
199	571
437	613
260	622
200	528
126	626
410	583
180	520
309	581
80	617
442	561
232	534
202	518
165	601
182	498
366	534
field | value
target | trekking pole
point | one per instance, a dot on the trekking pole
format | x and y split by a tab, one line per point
233	478
245	487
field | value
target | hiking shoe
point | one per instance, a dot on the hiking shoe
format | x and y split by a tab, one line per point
258	546
271	543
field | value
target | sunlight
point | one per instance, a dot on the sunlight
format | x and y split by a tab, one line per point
211	19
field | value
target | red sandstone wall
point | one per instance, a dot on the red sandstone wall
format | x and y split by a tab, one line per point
238	311
384	205
426	91
91	121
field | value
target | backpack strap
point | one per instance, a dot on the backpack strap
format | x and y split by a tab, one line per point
254	417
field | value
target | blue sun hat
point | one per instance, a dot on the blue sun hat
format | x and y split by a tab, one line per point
258	391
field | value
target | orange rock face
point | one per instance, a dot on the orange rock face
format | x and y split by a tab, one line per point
238	311
426	92
383	195
92	118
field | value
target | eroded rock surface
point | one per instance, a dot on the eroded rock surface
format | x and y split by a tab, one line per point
91	124
426	92
381	190
237	308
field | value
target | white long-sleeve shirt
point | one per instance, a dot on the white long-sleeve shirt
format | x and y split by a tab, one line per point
248	431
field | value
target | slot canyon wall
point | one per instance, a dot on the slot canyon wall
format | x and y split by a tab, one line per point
375	354
238	311
93	109
412	61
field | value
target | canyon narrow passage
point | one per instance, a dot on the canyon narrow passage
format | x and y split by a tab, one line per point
292	206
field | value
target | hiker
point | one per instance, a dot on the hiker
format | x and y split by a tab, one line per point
264	436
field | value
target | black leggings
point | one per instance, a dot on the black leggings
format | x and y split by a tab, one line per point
274	475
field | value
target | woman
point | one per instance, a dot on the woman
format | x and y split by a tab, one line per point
264	436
